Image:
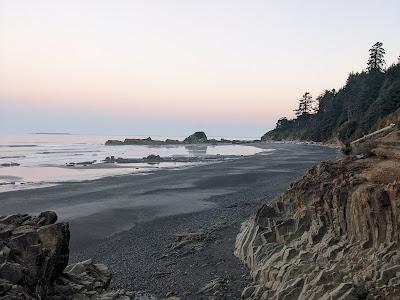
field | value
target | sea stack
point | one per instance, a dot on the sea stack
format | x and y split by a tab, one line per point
196	138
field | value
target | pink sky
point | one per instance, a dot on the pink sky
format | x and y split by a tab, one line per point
207	62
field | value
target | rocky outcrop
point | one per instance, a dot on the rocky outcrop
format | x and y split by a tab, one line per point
196	138
34	252
11	164
146	141
388	146
334	234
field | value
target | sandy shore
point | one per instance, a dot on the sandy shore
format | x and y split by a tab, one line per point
128	222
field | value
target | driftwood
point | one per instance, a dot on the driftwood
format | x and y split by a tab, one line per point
391	126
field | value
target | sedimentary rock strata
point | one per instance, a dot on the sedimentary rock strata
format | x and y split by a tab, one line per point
334	234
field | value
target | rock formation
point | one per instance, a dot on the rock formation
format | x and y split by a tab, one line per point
34	254
196	138
334	234
147	141
11	164
388	146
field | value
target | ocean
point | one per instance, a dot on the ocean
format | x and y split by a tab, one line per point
42	158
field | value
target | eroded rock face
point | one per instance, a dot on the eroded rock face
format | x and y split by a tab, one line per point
334	234
34	254
389	146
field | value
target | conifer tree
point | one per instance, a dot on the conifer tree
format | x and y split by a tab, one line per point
376	61
305	105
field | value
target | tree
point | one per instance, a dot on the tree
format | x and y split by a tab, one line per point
316	106
376	61
305	105
282	123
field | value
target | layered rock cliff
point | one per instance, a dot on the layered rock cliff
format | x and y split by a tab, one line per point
34	252
334	234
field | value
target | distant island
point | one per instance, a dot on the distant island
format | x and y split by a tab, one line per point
53	133
367	102
198	137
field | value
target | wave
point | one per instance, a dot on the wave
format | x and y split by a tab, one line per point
18	156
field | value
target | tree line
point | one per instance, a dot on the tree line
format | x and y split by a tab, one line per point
368	99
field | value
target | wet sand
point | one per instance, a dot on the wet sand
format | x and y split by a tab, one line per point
128	222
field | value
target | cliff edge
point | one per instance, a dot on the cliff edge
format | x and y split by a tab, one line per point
334	234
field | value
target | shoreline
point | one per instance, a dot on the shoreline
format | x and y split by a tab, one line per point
134	233
28	177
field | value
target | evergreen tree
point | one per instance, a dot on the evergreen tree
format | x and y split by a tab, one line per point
305	105
316	106
282	123
376	61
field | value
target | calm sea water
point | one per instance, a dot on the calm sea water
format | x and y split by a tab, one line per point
42	158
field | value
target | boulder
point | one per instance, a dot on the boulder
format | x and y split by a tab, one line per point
47	218
196	138
34	253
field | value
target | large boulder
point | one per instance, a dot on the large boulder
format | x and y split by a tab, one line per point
34	253
196	138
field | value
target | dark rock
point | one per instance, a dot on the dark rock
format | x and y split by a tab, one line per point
12	272
152	157
12	164
114	143
34	253
47	218
196	138
110	159
170	141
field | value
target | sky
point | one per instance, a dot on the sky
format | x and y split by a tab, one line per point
171	67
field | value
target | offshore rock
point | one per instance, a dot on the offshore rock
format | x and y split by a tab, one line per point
334	234
196	138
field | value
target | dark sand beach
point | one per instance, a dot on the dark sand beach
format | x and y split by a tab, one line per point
129	222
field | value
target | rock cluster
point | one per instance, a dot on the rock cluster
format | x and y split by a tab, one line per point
34	253
198	137
146	141
11	164
334	234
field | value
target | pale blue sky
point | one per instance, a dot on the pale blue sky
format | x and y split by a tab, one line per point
171	67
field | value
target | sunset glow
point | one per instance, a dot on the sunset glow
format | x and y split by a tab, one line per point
181	64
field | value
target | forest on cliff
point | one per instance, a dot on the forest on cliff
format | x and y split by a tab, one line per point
368	101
